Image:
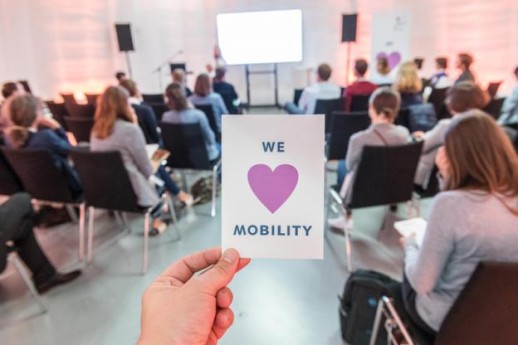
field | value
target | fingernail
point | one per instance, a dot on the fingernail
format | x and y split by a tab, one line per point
230	256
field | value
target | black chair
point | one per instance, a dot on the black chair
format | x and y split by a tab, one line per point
494	107
68	98
327	107
384	176
437	98
59	112
43	180
359	103
492	88
481	315
343	126
403	118
297	93
80	110
80	127
211	117
91	98
153	98
159	109
188	152
9	182
107	186
384	85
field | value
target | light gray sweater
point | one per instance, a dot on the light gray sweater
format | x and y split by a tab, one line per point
464	228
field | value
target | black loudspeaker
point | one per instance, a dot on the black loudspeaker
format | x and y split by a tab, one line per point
349	22
124	37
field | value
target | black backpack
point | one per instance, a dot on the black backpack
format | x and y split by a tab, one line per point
358	306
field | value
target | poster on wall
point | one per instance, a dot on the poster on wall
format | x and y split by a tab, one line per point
390	39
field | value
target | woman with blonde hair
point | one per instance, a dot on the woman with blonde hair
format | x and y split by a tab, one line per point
116	129
474	219
409	85
31	129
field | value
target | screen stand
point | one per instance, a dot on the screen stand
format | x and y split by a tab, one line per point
275	81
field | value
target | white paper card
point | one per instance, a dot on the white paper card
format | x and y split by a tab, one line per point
412	226
273	185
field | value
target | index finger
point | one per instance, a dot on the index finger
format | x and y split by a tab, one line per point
183	269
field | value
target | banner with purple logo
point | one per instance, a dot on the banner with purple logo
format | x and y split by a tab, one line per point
273	185
391	39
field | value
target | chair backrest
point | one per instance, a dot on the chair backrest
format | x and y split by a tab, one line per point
494	107
40	177
343	126
159	109
153	98
385	175
80	110
91	98
59	112
421	117
360	102
209	114
106	183
187	146
296	95
384	85
327	107
485	311
437	98
68	98
492	88
403	118
9	181
80	127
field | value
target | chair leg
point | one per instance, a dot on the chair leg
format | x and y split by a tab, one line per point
91	216
71	212
214	189
146	240
172	212
82	217
27	280
377	323
348	247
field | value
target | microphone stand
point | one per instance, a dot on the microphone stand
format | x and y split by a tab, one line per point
158	69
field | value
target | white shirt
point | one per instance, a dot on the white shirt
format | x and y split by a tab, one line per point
322	90
379	79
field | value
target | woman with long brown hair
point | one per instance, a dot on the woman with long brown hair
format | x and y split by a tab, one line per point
474	219
116	128
203	95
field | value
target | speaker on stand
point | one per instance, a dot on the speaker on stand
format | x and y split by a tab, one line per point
349	24
125	40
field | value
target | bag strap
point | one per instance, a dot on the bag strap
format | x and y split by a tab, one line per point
381	137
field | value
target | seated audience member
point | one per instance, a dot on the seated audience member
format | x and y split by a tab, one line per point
383	109
145	115
474	219
116	129
322	89
361	87
120	76
461	98
179	77
509	115
221	86
182	112
9	91
409	85
440	79
383	70
203	95
182	307
31	129
16	226
464	62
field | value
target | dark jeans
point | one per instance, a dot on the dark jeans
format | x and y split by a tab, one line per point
340	173
405	304
16	225
169	184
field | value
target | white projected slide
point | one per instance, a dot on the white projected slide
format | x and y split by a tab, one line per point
260	37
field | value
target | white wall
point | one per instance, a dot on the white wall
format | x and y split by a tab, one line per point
64	45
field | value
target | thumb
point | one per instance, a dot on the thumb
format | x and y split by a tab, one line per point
220	275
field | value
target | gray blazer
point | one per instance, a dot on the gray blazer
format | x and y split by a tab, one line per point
128	139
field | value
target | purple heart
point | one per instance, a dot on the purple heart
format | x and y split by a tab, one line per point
273	188
393	58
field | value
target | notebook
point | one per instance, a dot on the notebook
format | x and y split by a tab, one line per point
412	226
